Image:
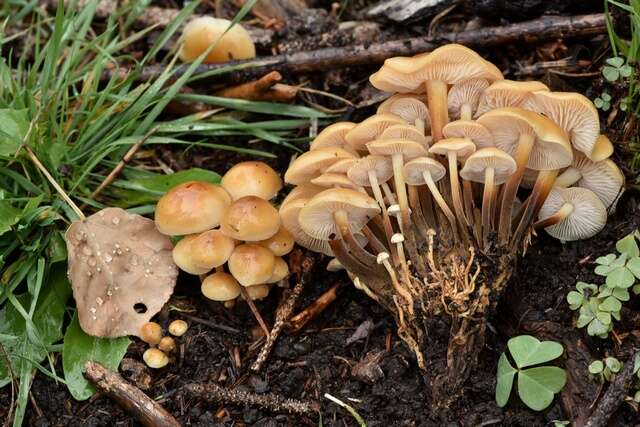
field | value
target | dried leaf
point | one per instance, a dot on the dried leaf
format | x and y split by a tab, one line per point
361	332
121	271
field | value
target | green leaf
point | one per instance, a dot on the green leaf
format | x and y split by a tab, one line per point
79	348
606	97
586	316
629	246
575	300
611	74
610	304
633	265
9	216
528	351
504	382
598	102
13	130
586	287
537	386
636	289
606	260
596	367
620	277
620	293
597	328
616	61
626	71
613	364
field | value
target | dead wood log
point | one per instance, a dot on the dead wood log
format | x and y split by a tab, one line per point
132	399
545	28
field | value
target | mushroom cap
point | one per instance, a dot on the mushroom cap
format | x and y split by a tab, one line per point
470	129
380	165
490	157
589	215
190	208
251	179
414	169
465	92
151	333
407	107
551	149
257	292
389	147
405	132
200	253
316	217
508	93
312	163
154	358
280	270
231	43
573	112
462	147
304	191
220	286
334	180
341	166
251	264
604	178
332	136
602	150
250	218
370	129
289	216
280	243
178	327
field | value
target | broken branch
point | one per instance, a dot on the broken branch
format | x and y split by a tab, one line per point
266	88
312	311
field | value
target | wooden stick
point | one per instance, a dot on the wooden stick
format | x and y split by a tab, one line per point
534	31
266	88
300	320
254	310
132	399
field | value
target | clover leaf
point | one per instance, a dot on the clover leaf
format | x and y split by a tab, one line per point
536	384
629	246
596	367
616	68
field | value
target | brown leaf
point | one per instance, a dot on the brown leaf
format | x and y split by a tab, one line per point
121	271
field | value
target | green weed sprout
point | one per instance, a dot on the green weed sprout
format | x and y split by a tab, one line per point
603	102
616	68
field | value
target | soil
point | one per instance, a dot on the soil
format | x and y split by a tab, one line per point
377	375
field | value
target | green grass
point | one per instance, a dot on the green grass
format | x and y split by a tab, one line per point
55	110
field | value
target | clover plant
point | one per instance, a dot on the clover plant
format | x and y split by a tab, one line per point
603	102
537	384
606	370
616	68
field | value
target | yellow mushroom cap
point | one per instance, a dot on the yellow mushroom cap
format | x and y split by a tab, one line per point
303	191
250	218
151	333
477	163
462	147
413	171
289	215
280	270
470	129
191	207
389	147
280	243
466	92
167	345
220	286
257	292
178	328
155	358
370	129
251	264
405	132
200	253
231	44
332	136
313	163
251	179
408	108
602	150
508	93
380	166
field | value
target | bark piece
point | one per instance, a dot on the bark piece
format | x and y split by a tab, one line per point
402	10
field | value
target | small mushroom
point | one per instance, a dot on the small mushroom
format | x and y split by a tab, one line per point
508	93
220	286
289	212
407	132
251	179
280	270
155	358
371	129
464	97
471	130
251	219
280	243
192	207
313	163
178	328
201	253
151	333
257	292
251	264
338	180
412	110
232	43
167	345
332	136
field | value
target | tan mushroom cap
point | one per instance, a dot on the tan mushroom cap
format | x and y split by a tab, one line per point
250	219
334	180
312	163
476	132
332	136
231	44
289	216
155	358
574	113
380	165
405	132
407	107
551	149
280	270
371	129
316	217
466	92
389	147
200	253
474	167
257	292
280	243
588	217
462	147
413	170
341	166
220	286
191	207
251	264
151	333
602	150
508	93
251	179
304	191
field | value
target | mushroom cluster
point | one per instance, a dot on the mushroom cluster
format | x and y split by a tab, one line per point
160	347
232	224
431	183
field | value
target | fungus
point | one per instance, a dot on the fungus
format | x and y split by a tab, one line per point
257	292
251	264
335	180
289	212
192	207
410	109
201	253
220	286
251	219
464	97
371	129
151	333
312	163
251	179
155	359
280	243
332	136
167	345
508	93
407	132
280	270
232	43
178	328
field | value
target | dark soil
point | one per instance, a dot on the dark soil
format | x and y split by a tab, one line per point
318	360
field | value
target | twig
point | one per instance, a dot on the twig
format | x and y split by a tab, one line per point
614	396
300	320
132	399
544	28
213	393
266	88
254	310
211	324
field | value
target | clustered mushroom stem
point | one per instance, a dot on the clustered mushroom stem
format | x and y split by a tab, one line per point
350	262
394	280
441	202
525	145
554	219
341	220
487	203
465	112
467	191
540	191
417	211
374	242
401	189
403	260
377	194
388	193
455	190
438	110
426	201
567	178
419	123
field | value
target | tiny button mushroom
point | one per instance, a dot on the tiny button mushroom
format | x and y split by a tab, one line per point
370	129
191	207
167	345
151	333
155	358
251	179
280	243
280	270
200	253
231	42
220	286
178	328
251	264
257	292
250	218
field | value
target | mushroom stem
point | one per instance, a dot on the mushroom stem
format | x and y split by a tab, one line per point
406	295
567	178
554	219
438	110
540	191
455	190
388	194
374	242
403	259
401	189
352	264
427	207
465	112
435	193
419	123
377	194
342	221
487	203
525	145
467	192
416	210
